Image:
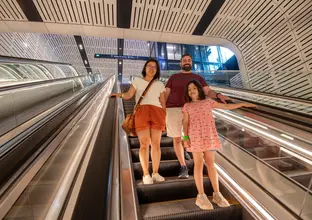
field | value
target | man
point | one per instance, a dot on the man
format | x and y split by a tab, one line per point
175	100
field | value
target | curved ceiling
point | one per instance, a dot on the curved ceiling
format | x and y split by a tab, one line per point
272	39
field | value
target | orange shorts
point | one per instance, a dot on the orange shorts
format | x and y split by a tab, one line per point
150	116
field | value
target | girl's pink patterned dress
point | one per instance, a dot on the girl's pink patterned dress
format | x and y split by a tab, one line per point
202	129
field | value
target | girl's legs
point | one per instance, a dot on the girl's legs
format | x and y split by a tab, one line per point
213	176
209	157
156	154
145	140
198	171
201	200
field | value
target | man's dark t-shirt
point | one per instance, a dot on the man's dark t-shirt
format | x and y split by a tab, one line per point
177	85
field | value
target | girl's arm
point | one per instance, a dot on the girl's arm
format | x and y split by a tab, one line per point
126	95
185	123
162	100
185	129
233	106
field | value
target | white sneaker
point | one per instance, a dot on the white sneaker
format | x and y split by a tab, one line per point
203	202
157	178
147	179
220	200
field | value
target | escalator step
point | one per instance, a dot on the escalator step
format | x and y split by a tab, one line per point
165	142
166	168
186	209
167	153
172	189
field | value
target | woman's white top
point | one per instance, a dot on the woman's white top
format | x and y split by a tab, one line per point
153	93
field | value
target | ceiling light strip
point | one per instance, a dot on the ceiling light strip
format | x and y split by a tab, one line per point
83	54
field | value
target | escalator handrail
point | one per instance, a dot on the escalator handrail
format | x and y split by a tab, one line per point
128	199
69	180
281	97
43	82
6	59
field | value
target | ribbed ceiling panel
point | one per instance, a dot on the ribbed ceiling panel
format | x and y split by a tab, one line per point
10	10
87	12
176	16
275	39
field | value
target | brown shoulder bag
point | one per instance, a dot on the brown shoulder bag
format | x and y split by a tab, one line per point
128	124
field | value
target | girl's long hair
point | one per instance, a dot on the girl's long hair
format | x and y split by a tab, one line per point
201	94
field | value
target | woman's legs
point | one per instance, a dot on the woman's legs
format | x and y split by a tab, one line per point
198	171
209	157
156	153
145	140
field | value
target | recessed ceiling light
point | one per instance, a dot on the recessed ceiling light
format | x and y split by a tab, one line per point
86	62
80	46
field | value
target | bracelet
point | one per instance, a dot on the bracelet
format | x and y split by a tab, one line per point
185	137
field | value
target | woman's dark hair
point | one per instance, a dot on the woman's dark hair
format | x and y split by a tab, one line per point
157	75
201	94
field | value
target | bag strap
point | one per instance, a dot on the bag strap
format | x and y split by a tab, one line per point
144	93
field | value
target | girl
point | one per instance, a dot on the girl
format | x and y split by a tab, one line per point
150	117
201	137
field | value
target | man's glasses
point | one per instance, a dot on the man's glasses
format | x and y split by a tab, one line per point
152	67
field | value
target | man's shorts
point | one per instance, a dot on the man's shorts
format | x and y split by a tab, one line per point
150	116
174	122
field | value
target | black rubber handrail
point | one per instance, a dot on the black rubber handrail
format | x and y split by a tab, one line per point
266	94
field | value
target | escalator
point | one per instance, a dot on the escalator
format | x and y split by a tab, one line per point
35	161
174	198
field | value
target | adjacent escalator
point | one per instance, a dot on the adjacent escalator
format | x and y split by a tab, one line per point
268	152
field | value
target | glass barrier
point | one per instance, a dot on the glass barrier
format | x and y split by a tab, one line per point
18	105
25	72
306	212
269	161
231	84
272	82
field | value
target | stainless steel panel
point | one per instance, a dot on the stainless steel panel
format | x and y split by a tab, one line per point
7	118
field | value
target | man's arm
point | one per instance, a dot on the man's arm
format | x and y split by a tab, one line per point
167	93
212	94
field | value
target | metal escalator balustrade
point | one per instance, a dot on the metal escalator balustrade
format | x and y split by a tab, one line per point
22	103
287	103
282	167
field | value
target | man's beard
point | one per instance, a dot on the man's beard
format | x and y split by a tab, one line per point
187	67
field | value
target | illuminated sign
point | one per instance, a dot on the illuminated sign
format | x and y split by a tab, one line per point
110	56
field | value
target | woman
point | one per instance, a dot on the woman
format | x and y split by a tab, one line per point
149	118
